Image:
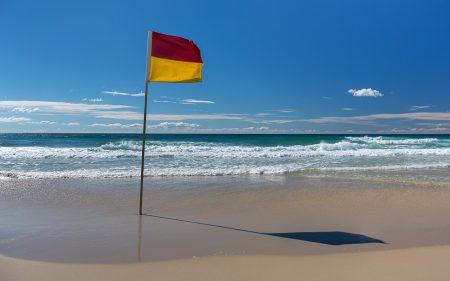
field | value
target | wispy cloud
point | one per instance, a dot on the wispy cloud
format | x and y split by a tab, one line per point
116	114
269	121
44	122
438	116
116	125
174	125
13	119
72	124
110	111
93	99
60	107
131	115
193	101
116	93
418	107
25	109
365	92
180	117
286	110
348	109
414	130
247	129
238	130
183	101
96	110
164	101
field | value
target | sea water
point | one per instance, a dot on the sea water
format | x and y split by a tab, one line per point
170	155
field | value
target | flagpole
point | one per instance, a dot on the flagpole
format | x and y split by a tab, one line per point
143	148
144	128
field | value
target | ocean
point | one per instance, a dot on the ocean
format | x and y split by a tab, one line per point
180	155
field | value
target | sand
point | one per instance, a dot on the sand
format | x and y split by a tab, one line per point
211	229
430	263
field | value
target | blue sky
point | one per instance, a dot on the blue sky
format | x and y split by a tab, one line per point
269	66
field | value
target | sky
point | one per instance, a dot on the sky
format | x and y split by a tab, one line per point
331	66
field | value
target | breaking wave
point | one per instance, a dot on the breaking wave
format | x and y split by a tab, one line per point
121	158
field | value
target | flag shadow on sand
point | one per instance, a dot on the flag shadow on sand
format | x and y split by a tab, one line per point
334	238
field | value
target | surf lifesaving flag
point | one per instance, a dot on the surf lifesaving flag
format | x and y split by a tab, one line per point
172	59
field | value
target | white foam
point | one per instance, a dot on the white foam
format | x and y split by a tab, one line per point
213	171
121	159
130	150
393	141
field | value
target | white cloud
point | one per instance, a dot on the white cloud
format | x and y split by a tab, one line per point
184	101
348	109
131	115
24	109
164	101
110	111
96	110
42	122
444	116
116	93
72	124
173	125
413	130
286	110
273	121
60	107
418	107
365	92
192	101
116	125
433	124
179	117
13	119
249	130
93	99
122	115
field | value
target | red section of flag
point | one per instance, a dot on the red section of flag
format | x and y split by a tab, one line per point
174	48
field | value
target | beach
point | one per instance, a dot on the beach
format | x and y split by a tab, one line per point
242	228
225	208
411	264
224	141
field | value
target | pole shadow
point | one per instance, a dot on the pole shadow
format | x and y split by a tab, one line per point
333	238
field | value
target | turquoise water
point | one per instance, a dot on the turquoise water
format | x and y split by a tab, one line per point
118	155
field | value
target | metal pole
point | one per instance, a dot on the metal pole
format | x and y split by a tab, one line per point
143	148
144	128
140	239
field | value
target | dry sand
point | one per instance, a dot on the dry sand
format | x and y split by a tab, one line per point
421	264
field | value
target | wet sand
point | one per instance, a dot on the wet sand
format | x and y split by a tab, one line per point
236	227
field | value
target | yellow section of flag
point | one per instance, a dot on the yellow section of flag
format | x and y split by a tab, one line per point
165	70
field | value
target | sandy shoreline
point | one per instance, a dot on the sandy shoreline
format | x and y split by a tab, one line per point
320	229
428	263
